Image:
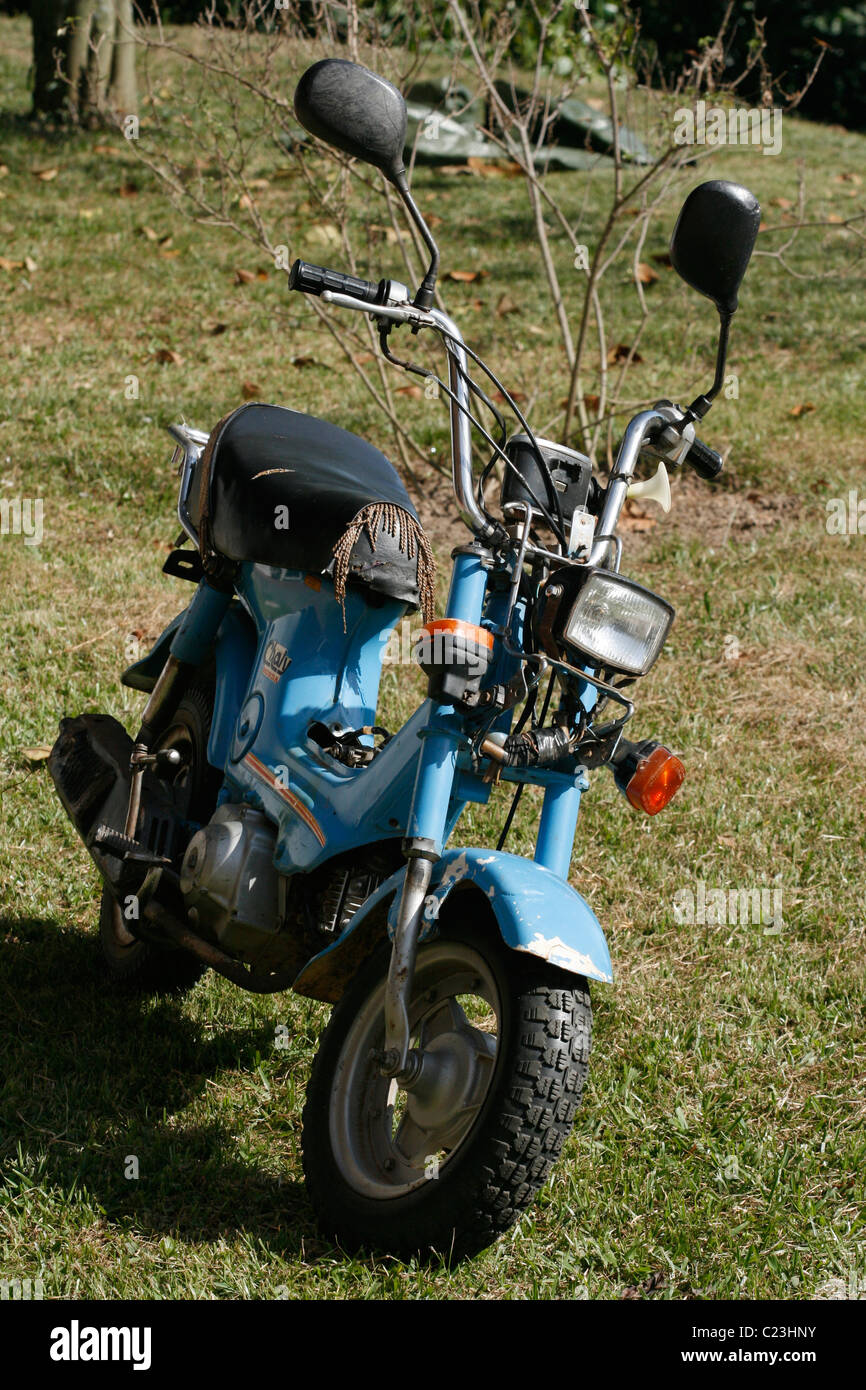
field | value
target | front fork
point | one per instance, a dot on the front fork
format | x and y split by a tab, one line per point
434	780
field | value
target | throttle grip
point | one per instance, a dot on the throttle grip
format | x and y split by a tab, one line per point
314	279
704	460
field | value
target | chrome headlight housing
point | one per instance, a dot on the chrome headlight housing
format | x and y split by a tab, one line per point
611	621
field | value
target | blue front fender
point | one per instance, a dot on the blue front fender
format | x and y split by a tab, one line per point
535	910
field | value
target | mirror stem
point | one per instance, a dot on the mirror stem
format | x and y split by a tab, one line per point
701	404
424	297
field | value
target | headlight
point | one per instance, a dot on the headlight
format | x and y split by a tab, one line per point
615	622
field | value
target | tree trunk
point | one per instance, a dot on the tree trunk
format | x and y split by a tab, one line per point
50	90
122	93
83	59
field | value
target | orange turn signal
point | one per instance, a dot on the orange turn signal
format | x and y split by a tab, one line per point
657	778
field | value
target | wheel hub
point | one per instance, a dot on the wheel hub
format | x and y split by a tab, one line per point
387	1130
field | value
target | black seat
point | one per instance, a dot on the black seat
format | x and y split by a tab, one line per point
282	488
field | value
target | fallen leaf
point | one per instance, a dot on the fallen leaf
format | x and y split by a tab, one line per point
506	305
464	277
244	277
803	409
517	396
245	201
363	357
168	355
324	234
663	258
763	226
414	391
635	521
169	255
386	234
304	360
10	266
261	275
37	754
30	264
433	218
494	168
592	402
781	203
645	273
259	183
655	1281
148	232
128	190
216	329
166	240
840	178
107	149
46	175
250	390
4	170
834	217
729	841
619	353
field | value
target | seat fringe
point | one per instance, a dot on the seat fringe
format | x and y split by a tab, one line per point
410	537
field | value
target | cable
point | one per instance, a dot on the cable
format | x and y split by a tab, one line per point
527	710
559	529
431	376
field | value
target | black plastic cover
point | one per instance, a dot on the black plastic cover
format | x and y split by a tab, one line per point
713	240
356	110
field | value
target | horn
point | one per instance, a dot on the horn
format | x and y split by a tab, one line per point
655	489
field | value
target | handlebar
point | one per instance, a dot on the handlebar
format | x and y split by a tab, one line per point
315	279
390	301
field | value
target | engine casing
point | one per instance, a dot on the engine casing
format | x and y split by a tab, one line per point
229	882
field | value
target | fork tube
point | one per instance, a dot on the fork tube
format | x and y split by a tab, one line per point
557	827
425	829
443	735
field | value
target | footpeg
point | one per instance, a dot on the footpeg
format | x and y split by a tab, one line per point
124	847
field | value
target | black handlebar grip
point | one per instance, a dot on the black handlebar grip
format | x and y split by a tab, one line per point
704	460
313	279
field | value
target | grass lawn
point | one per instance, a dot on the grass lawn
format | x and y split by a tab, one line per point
719	1151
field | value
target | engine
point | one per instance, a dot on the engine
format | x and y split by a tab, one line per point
235	896
230	886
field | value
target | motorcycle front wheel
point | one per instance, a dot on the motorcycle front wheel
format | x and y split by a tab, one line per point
449	1165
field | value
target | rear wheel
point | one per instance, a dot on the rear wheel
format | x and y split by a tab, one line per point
452	1162
140	967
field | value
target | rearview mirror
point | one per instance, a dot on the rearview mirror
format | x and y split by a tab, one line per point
713	239
355	110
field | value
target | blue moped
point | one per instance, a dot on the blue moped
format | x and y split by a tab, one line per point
262	824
